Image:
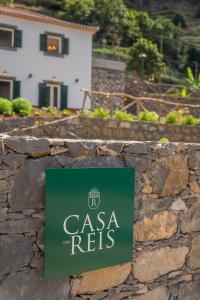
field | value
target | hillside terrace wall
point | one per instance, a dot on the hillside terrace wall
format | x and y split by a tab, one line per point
166	255
23	122
87	128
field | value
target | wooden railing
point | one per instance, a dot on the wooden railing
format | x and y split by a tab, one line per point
139	102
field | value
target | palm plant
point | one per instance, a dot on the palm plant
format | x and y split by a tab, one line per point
191	85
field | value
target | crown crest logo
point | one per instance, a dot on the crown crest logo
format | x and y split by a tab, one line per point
94	198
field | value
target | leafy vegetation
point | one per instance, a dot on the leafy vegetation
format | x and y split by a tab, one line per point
22	106
180	117
6	2
148	116
79	10
100	113
191	85
123	116
67	112
164	140
154	64
5	107
171	118
180	20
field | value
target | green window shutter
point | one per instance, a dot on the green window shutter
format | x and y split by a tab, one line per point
16	89
65	46
43	42
42	95
64	96
17	38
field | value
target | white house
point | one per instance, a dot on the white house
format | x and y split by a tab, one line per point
44	59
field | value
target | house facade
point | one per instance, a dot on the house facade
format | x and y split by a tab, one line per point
45	60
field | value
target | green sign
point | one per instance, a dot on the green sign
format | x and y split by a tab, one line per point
89	219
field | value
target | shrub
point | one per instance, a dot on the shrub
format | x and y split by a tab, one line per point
178	117
24	112
171	118
149	116
197	122
100	113
189	120
123	116
164	140
179	19
20	105
37	114
5	107
52	110
6	2
67	112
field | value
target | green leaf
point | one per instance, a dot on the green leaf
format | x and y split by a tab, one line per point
184	92
190	74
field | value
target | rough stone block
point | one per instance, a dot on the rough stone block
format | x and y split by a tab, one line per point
150	265
20	226
16	252
4	187
159	293
191	220
30	284
195	253
101	161
57	150
78	148
194	160
189	291
6	173
141	163
28	184
160	226
96	281
170	175
28	145
13	160
194	187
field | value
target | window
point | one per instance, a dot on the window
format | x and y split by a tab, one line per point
10	37
6	89
54	44
6	37
53	94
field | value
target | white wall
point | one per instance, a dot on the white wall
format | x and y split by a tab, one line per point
29	59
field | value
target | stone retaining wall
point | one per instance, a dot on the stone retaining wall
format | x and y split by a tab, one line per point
107	76
166	257
23	122
75	127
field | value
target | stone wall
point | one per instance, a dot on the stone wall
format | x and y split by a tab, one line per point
75	127
166	257
107	76
8	124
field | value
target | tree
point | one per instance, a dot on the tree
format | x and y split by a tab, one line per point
110	16
144	22
6	2
166	35
79	10
131	29
54	4
153	62
180	20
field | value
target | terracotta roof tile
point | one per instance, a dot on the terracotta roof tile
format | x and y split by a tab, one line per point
37	17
